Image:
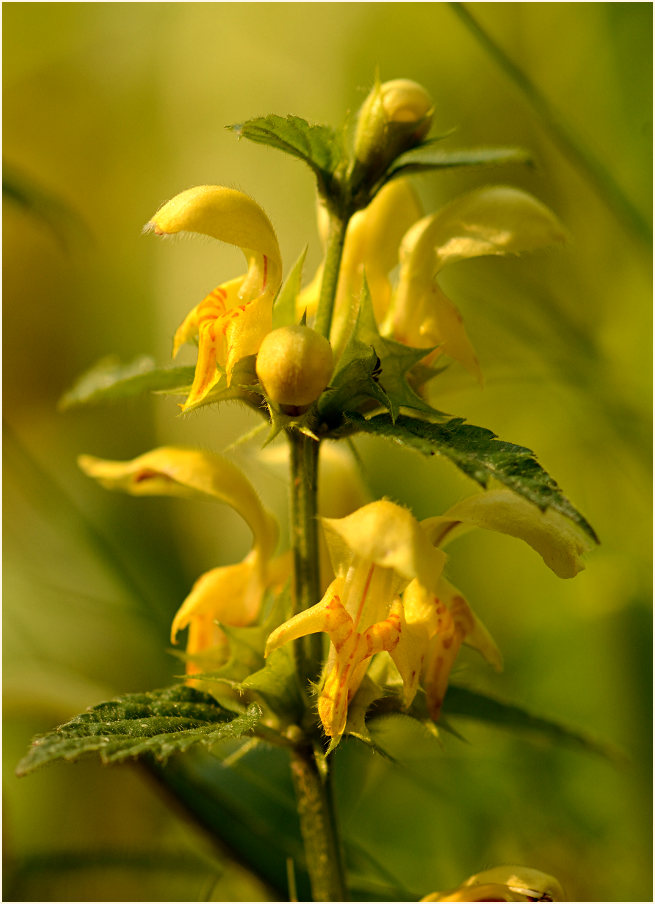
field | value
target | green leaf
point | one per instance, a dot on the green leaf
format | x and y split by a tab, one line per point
461	701
157	723
109	380
479	454
318	145
425	158
284	311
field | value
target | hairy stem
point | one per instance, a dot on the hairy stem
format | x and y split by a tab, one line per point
318	827
313	790
313	787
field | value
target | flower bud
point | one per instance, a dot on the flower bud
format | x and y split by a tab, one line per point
294	365
395	117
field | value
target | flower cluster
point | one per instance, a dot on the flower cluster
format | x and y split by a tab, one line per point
390	595
387	592
353	615
494	220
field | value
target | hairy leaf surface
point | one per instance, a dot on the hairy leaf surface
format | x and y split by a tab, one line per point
158	723
109	380
317	145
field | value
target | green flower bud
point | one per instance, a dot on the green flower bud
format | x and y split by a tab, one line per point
395	117
294	365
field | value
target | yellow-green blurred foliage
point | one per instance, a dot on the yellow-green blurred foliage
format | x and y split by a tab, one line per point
111	108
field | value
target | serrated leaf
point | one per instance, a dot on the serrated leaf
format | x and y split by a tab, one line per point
318	145
426	158
157	723
462	701
109	380
479	454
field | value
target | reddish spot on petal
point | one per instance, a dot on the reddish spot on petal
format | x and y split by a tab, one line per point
149	474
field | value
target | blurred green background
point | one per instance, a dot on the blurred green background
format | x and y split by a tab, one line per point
110	109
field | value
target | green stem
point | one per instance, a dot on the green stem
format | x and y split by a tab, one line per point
313	790
304	541
318	827
313	787
334	251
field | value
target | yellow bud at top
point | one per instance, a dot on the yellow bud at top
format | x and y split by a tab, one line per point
406	101
294	365
395	117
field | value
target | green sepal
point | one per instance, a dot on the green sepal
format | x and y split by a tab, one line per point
284	309
479	454
318	146
353	384
246	653
426	157
276	685
374	367
156	723
303	422
368	694
396	360
109	380
246	644
243	387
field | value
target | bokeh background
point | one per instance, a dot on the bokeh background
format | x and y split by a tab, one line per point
110	109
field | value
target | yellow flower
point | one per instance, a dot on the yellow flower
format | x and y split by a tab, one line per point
389	594
232	320
496	220
376	551
504	883
558	540
232	594
436	624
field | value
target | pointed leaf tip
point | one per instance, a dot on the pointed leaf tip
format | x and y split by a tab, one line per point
156	723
